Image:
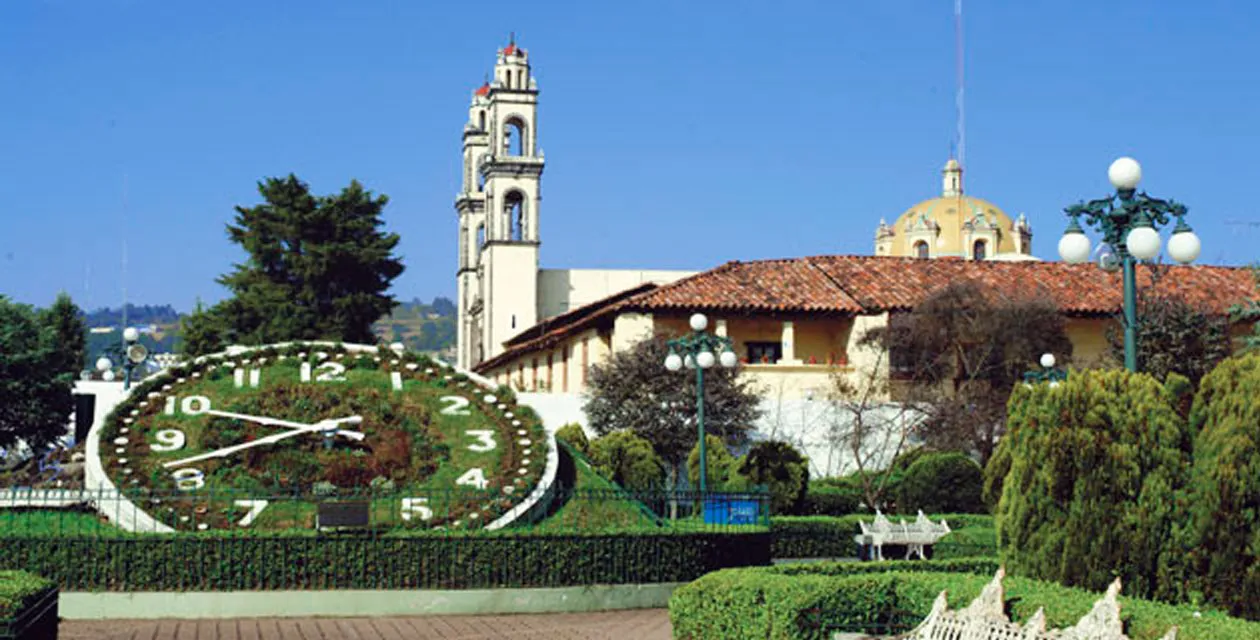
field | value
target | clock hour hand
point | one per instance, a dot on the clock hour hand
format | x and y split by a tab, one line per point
321	426
356	435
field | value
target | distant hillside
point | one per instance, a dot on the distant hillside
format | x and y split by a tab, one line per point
422	327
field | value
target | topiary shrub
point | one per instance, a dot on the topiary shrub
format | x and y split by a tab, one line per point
628	460
573	434
1225	511
942	483
779	466
1096	469
720	467
831	497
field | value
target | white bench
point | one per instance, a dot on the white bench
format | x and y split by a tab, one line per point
985	619
915	537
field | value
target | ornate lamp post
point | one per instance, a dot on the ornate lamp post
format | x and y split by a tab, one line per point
1128	221
135	354
1048	372
697	352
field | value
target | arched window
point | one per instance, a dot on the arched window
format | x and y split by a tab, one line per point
514	207
481	238
977	250
481	117
921	249
514	137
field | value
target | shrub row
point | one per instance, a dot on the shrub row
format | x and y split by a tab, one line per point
28	606
447	562
815	601
827	537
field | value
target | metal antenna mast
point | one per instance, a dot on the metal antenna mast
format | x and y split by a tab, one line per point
961	132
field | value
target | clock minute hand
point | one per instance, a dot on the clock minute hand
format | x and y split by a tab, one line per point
357	435
271	439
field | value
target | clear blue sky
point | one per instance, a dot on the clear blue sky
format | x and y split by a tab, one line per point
678	134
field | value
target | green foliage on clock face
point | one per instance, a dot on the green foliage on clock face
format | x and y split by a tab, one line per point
432	448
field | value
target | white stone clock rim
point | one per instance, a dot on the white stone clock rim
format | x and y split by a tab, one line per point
123	512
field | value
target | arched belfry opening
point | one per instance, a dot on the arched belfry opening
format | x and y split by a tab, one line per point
978	250
514	132
514	211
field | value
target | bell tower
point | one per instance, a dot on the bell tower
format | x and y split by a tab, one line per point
498	207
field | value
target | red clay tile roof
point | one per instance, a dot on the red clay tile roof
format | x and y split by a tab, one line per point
483	89
549	331
853	285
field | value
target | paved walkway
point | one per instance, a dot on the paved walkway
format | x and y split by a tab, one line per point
639	624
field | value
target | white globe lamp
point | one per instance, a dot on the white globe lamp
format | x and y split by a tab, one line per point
728	359
1184	247
130	334
699	322
103	364
1143	242
1047	360
706	359
1074	247
108	376
1125	174
689	362
673	362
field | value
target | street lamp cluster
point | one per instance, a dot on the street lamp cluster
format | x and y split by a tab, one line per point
696	351
1128	221
1048	373
133	356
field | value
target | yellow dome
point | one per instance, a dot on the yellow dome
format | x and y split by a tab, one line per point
953	225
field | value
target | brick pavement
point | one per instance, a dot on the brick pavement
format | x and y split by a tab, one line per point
639	624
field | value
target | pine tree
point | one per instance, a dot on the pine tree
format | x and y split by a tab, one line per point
1096	471
201	331
318	267
69	335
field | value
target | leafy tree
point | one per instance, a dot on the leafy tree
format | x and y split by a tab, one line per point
317	267
633	391
1173	336
201	331
35	383
941	483
1226	486
1094	472
69	335
779	466
628	460
573	434
958	354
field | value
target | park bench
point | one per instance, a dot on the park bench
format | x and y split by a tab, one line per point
985	619
916	537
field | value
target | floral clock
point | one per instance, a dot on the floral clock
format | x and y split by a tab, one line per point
259	438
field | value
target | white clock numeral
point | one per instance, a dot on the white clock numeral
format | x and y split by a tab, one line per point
192	405
239	374
414	508
395	378
189	479
325	372
459	405
485	440
169	440
255	507
475	477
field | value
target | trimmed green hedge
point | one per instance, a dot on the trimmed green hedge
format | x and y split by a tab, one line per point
28	606
827	537
797	602
19	589
212	563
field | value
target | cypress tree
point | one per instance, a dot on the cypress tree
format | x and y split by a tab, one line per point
1094	483
1225	518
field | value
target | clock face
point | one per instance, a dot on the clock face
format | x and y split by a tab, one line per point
260	438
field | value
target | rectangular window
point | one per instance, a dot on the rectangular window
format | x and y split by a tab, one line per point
900	361
585	353
764	352
564	371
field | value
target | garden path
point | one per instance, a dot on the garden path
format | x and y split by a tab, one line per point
645	624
